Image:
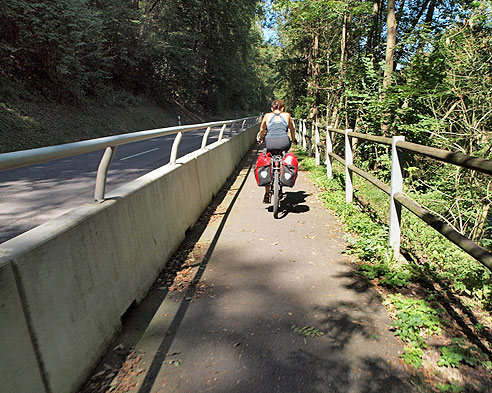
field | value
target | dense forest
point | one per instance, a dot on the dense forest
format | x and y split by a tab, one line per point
199	53
418	68
106	67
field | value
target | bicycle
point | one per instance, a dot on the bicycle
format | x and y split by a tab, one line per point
275	185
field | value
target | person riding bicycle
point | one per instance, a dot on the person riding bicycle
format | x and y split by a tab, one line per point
274	132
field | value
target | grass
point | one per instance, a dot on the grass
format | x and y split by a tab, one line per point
29	120
31	124
439	291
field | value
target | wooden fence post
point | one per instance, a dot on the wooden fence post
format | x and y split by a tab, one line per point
349	160
310	142
395	207
304	135
329	149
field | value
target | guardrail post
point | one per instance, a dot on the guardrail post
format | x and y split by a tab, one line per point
329	149
349	160
205	137
395	207
221	133
174	149
102	173
304	135
310	142
242	125
316	142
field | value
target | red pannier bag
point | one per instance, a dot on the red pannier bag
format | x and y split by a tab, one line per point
288	172
263	169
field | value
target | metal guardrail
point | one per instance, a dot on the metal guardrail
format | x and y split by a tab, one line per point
395	190
34	156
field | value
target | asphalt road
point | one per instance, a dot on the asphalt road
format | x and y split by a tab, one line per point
32	195
233	319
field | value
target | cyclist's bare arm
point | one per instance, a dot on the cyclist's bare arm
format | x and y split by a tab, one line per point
263	129
292	129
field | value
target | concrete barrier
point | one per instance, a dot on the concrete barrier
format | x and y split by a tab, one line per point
19	370
65	284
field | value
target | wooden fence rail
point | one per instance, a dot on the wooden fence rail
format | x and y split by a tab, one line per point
305	131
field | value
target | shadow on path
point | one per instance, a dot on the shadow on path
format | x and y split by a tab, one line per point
156	365
261	283
293	202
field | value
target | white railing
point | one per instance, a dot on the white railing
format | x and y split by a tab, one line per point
395	190
110	143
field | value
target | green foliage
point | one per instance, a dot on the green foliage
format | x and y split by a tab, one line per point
447	262
416	318
54	45
371	271
307	331
199	54
397	278
413	356
458	352
449	387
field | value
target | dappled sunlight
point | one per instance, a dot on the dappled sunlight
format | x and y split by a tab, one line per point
43	191
260	282
238	335
20	116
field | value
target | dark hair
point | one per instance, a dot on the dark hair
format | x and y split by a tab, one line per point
278	104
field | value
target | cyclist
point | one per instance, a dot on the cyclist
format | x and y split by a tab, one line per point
274	132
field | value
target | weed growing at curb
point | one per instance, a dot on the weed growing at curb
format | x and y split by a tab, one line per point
445	292
459	352
415	320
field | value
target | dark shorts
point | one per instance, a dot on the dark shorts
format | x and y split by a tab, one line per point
278	143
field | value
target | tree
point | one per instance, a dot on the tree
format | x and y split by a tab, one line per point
55	45
391	25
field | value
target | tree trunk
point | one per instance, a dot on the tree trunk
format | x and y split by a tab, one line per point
343	44
371	41
389	61
314	71
390	44
430	12
344	39
478	231
143	26
427	22
328	93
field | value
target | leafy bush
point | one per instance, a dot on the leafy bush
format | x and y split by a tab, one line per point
449	387
413	356
416	318
458	352
447	262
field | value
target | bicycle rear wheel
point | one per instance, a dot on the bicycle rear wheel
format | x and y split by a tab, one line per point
276	193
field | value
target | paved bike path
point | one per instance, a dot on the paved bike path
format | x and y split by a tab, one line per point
259	280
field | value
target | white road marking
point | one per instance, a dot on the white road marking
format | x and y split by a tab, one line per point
139	154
